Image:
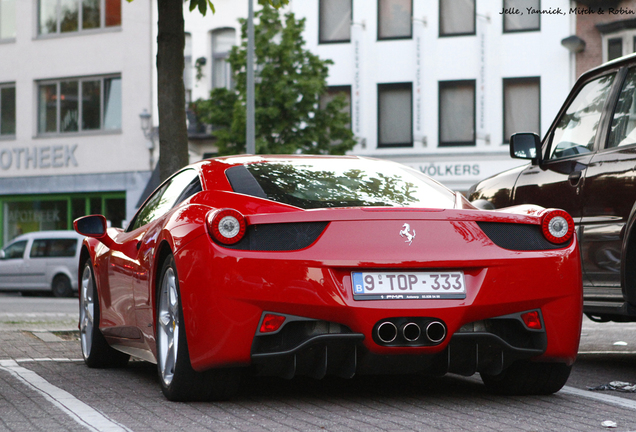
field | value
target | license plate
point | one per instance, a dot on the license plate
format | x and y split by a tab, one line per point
408	285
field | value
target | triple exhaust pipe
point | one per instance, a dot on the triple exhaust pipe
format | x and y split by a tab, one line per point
410	332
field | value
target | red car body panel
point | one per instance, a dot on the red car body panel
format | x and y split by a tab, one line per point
224	291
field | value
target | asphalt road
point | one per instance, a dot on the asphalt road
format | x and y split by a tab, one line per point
44	385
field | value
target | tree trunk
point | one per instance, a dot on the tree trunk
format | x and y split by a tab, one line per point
173	133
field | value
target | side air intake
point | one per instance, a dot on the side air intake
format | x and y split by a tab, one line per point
280	237
521	237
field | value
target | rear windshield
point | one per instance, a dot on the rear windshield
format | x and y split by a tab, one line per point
321	183
53	248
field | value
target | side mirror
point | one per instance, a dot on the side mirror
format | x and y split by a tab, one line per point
526	145
94	226
91	226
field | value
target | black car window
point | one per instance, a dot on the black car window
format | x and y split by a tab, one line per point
15	250
321	183
623	130
164	198
53	248
575	131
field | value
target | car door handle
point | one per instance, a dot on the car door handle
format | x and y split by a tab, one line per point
575	177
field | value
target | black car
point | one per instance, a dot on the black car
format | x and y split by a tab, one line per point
586	165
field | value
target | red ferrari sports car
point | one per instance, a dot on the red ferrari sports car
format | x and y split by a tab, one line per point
305	265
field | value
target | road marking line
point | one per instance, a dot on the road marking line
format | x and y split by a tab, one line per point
69	404
599	396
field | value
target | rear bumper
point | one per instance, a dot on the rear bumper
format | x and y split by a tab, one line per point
318	348
225	292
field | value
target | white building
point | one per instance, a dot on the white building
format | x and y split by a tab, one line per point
436	84
439	85
74	77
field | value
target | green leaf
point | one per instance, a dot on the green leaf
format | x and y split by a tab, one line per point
291	80
276	3
203	7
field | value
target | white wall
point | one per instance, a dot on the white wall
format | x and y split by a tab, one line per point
126	51
509	55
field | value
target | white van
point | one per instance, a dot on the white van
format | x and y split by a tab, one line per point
41	261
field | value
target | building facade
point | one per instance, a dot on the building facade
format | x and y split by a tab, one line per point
74	77
436	84
607	30
439	85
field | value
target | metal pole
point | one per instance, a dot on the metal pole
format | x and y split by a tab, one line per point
250	134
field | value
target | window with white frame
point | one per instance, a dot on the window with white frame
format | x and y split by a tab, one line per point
7	19
66	16
222	42
79	105
618	43
334	21
521	106
456	17
457	113
7	110
395	115
395	19
523	21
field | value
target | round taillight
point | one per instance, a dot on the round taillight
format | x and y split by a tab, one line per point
226	226
557	226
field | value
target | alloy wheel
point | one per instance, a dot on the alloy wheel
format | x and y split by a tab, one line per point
168	326
87	310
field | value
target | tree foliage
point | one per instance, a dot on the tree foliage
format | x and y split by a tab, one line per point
290	81
173	135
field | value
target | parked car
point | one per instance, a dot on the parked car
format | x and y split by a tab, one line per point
298	265
41	261
586	165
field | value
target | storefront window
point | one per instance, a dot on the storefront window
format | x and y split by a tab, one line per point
27	216
24	214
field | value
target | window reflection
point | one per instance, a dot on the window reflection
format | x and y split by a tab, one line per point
90	14
69	114
347	183
90	105
47	114
63	16
77	105
48	17
576	129
15	250
623	131
69	14
164	198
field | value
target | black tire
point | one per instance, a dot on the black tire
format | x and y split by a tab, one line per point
61	286
96	351
179	381
528	378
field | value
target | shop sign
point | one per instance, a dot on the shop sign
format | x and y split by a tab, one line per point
469	171
52	215
25	158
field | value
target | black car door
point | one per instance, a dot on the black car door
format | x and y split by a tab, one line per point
610	193
559	180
